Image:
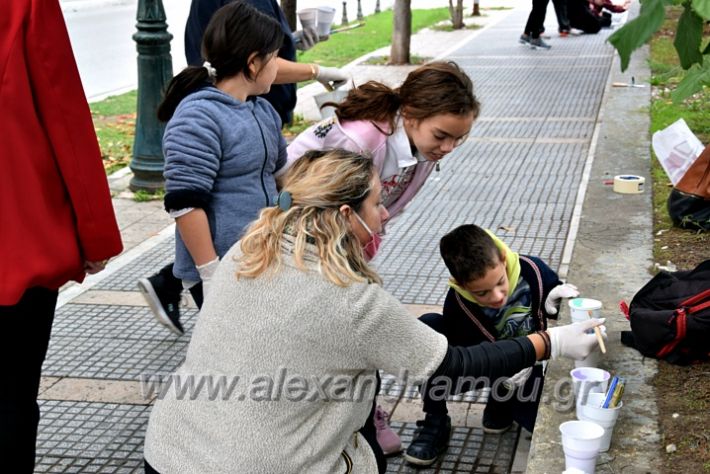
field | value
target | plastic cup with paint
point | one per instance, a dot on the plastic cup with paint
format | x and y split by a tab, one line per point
325	21
580	442
604	417
588	380
582	309
308	17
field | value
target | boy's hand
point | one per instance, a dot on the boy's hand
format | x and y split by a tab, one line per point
566	290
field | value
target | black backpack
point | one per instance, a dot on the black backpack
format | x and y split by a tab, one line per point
670	316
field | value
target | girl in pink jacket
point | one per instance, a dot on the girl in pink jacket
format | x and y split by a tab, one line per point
406	131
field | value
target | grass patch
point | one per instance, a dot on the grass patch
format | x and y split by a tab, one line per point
145	196
115	121
343	48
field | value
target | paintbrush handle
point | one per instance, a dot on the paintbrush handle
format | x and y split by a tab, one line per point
598	332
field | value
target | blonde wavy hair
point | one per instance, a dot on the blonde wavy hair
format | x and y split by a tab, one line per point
319	183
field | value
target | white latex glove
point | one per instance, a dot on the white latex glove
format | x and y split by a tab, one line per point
206	271
566	290
572	340
331	77
519	379
305	39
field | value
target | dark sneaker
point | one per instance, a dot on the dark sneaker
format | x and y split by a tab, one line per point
430	440
496	421
538	43
163	297
524	39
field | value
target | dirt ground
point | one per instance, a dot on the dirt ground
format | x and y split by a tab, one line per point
683	392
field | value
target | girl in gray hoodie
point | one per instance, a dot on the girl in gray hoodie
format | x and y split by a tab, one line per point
222	145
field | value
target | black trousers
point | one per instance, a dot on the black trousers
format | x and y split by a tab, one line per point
26	328
561	13
536	19
521	403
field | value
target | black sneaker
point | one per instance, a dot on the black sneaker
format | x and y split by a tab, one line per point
430	440
524	39
496	421
163	297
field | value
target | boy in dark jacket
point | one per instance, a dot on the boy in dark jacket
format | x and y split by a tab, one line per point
494	294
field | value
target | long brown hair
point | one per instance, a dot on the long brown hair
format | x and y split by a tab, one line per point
436	88
319	183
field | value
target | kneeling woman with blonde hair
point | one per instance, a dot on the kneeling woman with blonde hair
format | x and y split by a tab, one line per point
281	367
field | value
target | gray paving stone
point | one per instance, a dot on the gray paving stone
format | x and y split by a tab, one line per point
465	452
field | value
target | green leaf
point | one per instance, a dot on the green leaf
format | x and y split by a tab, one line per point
688	36
694	80
702	8
638	31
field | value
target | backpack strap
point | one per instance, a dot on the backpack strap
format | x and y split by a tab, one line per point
695	299
473	318
680	326
541	319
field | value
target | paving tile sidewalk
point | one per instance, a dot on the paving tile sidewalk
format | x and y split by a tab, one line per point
519	174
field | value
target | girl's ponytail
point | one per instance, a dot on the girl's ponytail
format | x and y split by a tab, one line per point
370	101
189	80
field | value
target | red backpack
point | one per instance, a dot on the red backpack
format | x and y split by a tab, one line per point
670	316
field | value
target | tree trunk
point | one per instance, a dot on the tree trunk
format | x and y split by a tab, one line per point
289	9
402	32
456	14
476	10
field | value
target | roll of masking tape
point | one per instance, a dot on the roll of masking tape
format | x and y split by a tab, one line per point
628	184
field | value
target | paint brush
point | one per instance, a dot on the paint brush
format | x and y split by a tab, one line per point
598	332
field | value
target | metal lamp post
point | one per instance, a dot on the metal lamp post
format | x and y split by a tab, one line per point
344	19
155	69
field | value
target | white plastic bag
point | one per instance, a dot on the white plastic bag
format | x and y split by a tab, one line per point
676	148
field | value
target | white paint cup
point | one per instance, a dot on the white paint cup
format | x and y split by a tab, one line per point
580	442
585	381
325	21
604	417
582	309
308	17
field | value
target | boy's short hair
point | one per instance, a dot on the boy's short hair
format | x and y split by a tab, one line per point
468	252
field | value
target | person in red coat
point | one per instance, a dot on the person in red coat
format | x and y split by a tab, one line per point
56	218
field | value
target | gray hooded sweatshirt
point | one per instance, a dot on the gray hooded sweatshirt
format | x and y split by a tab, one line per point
223	153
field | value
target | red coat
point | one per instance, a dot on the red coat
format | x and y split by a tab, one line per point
55	206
